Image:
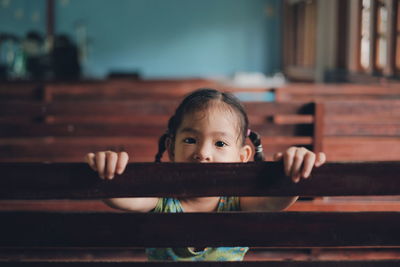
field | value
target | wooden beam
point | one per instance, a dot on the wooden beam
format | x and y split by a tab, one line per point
270	229
78	181
136	107
318	127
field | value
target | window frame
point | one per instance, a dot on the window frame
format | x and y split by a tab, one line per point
389	69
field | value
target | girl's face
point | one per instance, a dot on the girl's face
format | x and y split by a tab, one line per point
211	135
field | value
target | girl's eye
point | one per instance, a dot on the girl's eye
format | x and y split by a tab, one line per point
189	140
220	144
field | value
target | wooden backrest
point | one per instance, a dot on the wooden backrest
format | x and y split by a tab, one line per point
66	130
298	92
363	130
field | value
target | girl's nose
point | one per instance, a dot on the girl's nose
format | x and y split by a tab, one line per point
201	158
202	154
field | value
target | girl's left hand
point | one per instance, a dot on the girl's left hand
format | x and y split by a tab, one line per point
299	162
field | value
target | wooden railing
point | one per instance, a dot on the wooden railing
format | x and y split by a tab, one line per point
41	230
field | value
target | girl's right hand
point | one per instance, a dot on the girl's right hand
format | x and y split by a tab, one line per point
107	163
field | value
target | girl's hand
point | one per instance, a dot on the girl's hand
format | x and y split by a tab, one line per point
107	163
299	162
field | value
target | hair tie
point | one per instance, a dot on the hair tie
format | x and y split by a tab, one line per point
259	148
248	132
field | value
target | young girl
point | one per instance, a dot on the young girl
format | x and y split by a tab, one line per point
208	126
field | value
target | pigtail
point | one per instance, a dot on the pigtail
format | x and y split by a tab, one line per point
162	141
161	147
256	141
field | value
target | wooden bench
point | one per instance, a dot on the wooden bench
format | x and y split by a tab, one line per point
75	231
65	131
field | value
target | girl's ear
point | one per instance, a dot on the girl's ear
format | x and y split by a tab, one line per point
170	149
245	153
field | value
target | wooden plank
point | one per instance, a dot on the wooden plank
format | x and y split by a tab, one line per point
74	149
364	108
347	89
372	128
271	229
348	148
254	254
22	108
344	206
272	108
78	181
140	149
293	119
297	92
11	91
353	205
64	205
319	127
368	118
81	130
135	107
286	98
129	129
360	118
73	254
86	108
142	89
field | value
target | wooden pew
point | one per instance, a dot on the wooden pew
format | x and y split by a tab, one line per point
72	231
65	131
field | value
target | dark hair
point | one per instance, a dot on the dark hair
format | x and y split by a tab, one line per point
199	100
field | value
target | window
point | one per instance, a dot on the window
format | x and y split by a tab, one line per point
363	45
379	37
365	34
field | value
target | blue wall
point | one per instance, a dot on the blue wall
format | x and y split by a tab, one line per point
174	38
20	16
